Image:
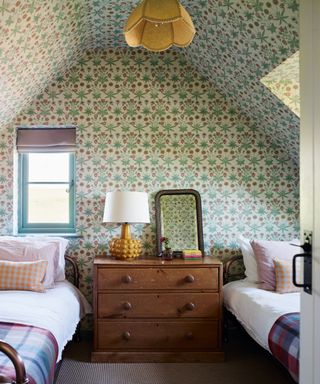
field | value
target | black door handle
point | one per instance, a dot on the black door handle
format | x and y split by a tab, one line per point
307	271
294	270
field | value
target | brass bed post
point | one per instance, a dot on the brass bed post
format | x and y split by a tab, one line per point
76	276
227	269
17	362
76	283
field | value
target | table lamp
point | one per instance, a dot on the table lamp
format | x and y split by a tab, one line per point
126	208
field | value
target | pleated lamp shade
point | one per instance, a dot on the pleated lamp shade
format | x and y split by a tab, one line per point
158	24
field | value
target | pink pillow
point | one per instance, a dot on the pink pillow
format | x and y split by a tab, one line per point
21	251
265	252
61	245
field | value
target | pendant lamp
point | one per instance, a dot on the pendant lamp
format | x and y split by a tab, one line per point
158	24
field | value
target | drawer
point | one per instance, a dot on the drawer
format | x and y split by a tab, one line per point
174	305
158	278
157	335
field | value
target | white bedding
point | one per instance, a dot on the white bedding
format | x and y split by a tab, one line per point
257	309
58	309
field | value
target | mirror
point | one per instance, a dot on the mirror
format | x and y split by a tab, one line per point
179	218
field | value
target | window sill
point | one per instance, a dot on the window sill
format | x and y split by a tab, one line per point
66	235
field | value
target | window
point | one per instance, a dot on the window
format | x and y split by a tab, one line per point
46	192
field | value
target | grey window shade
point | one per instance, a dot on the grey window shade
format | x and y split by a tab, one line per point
36	139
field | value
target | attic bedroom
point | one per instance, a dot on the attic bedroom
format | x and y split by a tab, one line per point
150	191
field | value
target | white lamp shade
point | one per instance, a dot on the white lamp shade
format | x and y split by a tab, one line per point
126	207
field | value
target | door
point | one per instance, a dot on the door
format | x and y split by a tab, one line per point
310	183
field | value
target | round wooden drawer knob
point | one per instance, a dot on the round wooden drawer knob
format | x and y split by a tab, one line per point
190	306
189	336
127	306
189	279
126	335
127	279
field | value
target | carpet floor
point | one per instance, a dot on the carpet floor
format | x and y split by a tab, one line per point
246	363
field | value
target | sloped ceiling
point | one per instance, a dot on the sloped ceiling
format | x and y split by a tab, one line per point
38	40
238	42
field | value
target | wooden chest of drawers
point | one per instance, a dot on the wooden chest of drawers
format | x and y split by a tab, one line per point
149	310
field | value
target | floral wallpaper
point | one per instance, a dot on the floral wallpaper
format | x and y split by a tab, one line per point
38	40
284	82
147	122
179	221
237	43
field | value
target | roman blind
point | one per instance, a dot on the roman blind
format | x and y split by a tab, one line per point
46	139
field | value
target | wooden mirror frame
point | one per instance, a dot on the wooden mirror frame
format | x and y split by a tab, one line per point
197	196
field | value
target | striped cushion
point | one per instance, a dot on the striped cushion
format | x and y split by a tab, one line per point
22	276
283	272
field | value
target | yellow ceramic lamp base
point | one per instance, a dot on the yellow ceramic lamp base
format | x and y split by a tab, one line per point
125	247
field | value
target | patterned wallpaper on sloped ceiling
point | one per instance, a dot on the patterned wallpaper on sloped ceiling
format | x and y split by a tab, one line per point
237	43
38	40
149	122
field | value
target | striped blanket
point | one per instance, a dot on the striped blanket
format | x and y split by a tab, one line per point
36	346
284	342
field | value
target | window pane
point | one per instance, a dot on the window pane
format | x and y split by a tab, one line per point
48	167
48	203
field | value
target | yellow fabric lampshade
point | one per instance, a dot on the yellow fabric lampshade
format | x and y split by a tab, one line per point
158	24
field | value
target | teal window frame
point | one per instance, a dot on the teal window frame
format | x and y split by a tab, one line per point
23	225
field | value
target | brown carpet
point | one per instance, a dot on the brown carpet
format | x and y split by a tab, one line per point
245	363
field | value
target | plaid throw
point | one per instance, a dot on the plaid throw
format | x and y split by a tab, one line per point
37	347
284	342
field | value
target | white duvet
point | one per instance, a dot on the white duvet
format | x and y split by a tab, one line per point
257	309
58	309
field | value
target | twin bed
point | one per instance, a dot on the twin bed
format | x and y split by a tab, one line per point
270	318
34	329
